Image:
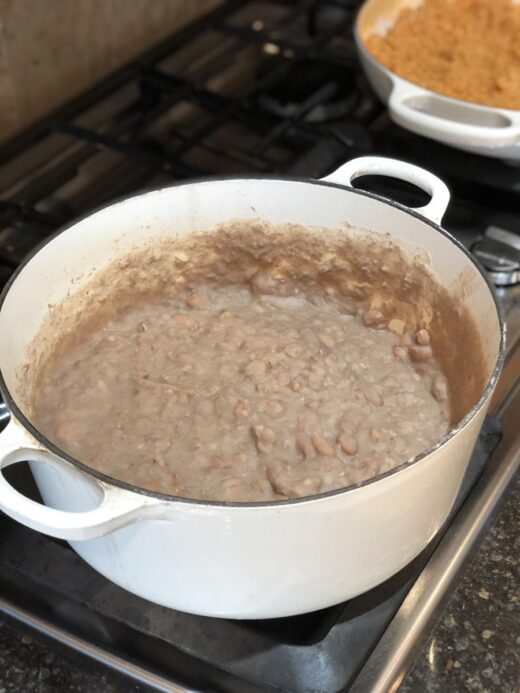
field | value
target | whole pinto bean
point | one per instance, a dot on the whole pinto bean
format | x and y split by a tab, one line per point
322	446
348	443
420	354
265	437
326	340
440	388
422	337
400	352
305	446
374	318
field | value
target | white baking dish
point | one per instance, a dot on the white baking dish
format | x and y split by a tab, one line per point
480	129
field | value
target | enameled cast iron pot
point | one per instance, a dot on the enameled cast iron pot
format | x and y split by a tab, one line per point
240	560
473	127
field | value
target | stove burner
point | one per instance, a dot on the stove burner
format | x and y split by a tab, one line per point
315	91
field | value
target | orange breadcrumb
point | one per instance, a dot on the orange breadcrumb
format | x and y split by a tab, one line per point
467	49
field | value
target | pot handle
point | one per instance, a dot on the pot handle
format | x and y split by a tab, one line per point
451	121
116	509
381	166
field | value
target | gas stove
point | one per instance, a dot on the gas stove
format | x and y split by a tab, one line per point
254	87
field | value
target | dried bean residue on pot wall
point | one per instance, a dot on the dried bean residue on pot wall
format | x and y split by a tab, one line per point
357	270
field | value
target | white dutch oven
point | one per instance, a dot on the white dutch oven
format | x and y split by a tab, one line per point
239	560
481	129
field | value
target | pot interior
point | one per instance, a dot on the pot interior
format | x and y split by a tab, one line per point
467	352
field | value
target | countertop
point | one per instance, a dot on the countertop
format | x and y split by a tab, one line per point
475	645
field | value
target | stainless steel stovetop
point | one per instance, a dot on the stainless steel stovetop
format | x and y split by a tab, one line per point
253	87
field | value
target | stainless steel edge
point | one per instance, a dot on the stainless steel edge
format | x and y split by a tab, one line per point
4	412
388	664
128	669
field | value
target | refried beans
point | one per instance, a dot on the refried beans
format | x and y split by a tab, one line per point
252	391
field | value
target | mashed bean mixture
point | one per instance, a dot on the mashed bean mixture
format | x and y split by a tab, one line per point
233	393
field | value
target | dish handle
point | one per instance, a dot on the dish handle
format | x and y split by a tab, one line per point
402	170
117	507
450	120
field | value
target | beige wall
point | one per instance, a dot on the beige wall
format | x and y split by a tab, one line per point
51	50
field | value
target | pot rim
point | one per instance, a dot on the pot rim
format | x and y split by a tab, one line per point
395	77
106	479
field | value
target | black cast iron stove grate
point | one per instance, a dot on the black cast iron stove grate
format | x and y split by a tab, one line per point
254	87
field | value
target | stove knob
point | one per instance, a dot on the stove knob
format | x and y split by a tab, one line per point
501	261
